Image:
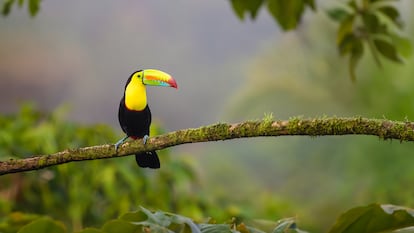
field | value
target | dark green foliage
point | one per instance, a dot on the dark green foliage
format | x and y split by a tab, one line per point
13	222
88	193
159	221
286	13
365	219
44	225
374	218
7	5
251	7
85	194
374	23
30	223
32	6
387	50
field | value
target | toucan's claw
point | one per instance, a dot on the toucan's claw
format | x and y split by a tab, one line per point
117	144
145	139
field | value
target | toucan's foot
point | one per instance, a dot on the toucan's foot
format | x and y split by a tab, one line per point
145	139
120	142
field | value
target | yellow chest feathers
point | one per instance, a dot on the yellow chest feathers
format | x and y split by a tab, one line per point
135	95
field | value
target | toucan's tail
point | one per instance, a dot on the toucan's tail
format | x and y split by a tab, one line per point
148	159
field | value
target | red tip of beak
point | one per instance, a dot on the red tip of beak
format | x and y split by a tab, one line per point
173	83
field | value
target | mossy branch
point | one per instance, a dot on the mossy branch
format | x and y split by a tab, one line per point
384	129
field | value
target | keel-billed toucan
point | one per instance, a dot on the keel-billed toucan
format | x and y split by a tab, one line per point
134	114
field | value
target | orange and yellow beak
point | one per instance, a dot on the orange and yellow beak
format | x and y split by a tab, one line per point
157	78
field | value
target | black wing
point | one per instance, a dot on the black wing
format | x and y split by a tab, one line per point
134	123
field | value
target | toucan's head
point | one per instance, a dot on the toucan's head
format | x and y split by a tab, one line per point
155	78
135	93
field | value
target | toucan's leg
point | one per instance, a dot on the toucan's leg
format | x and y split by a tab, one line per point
145	139
120	142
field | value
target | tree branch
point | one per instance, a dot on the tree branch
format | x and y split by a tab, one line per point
384	129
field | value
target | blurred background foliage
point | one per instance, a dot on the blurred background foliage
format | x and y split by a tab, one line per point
86	194
290	74
90	193
373	25
321	175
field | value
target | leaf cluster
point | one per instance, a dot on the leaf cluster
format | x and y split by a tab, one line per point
145	220
363	219
372	24
82	194
286	13
31	132
32	6
375	218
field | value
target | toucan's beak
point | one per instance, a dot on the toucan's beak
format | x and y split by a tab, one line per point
158	78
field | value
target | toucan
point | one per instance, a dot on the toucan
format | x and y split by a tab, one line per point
134	114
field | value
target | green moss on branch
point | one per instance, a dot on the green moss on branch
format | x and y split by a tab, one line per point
384	129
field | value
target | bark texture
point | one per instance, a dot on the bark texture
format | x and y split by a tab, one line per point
384	129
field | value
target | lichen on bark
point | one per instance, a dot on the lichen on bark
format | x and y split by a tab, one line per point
324	126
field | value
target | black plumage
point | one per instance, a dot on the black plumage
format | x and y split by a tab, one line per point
136	124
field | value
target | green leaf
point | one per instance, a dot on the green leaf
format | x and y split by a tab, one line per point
287	225
137	216
338	14
391	12
253	7
347	44
44	225
264	225
372	24
34	6
353	5
403	45
7	4
286	13
238	8
180	220
158	218
161	220
215	228
374	218
345	29
385	5
387	50
402	230
357	51
391	25
15	220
